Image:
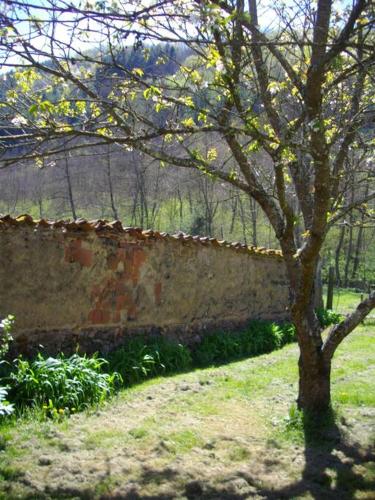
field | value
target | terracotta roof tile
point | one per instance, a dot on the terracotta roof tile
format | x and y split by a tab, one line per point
104	226
25	219
42	223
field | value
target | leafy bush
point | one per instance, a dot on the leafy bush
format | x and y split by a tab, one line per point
262	337
172	355
258	338
142	358
217	348
327	317
70	383
288	333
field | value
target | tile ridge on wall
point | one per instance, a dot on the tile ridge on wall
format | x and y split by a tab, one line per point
105	228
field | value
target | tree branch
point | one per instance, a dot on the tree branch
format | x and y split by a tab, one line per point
342	330
346	32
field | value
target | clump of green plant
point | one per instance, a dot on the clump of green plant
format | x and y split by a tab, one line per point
327	317
142	358
62	383
288	333
258	338
6	408
217	348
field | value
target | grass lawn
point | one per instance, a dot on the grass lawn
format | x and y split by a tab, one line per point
346	300
230	432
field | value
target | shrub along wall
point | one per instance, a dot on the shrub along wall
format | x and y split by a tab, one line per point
95	283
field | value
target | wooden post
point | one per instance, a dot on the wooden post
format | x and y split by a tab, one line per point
331	278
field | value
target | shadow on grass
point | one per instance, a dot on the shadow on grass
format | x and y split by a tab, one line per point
332	471
331	465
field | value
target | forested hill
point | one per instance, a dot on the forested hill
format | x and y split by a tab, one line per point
154	60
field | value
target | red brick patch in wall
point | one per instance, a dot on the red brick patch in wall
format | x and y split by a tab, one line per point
127	260
157	292
75	252
99	316
113	299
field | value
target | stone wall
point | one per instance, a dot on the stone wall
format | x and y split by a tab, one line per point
94	283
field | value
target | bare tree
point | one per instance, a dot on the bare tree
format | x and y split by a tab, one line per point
110	184
69	186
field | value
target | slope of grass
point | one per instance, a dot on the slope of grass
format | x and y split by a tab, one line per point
226	432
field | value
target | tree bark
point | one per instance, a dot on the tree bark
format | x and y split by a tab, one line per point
110	185
349	249
243	221
253	212
314	393
70	189
337	255
341	330
331	278
357	252
358	247
234	212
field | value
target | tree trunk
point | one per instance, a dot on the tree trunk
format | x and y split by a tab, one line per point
234	213
357	252
337	255
348	255
314	365
314	392
181	206
330	286
110	185
350	243
70	189
243	221
253	213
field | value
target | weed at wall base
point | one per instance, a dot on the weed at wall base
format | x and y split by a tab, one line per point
63	385
142	358
258	338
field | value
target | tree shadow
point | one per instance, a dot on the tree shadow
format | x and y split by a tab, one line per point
331	464
331	471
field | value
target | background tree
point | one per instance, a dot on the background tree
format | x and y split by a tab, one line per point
290	84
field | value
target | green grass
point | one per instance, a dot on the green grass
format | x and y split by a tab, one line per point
182	441
345	300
